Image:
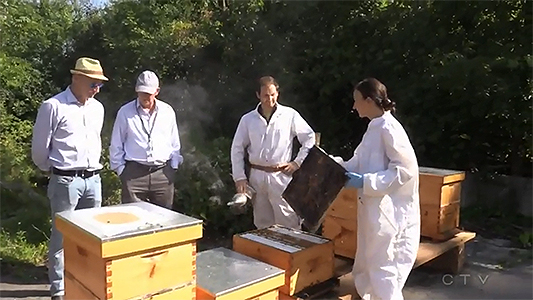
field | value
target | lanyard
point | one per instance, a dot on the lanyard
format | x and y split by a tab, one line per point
148	133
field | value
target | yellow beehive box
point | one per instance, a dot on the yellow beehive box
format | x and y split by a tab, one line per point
343	233
78	291
307	259
440	197
224	274
345	205
340	223
129	251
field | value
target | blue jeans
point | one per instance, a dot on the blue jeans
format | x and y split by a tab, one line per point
67	193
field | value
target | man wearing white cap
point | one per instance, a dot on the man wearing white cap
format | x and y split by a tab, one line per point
66	143
145	145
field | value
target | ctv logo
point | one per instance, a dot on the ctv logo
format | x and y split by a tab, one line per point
448	279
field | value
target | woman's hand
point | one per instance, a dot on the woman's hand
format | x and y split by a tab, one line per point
355	180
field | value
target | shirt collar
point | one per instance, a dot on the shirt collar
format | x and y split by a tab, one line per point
260	109
138	104
71	98
275	112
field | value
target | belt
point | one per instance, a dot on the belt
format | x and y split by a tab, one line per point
147	167
75	173
269	169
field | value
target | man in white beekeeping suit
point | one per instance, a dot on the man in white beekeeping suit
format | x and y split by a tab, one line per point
266	134
384	169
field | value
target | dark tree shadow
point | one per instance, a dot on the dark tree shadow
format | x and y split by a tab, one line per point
16	272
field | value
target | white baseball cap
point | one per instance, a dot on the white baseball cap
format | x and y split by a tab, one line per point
147	82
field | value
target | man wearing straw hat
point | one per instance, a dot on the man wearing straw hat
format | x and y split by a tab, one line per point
66	143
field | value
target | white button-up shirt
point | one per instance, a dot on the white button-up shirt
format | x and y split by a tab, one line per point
66	134
147	138
270	144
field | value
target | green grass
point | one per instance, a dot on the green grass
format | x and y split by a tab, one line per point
20	259
16	249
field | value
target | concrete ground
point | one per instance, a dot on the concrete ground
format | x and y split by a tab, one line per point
492	271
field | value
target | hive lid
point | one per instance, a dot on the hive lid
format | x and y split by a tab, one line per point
314	187
115	222
438	172
283	238
221	271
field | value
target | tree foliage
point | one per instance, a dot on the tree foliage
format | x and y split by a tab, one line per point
460	73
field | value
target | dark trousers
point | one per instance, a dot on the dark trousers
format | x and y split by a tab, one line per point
150	184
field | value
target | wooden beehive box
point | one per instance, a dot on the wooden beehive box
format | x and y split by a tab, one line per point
307	259
440	197
345	205
340	223
129	251
223	274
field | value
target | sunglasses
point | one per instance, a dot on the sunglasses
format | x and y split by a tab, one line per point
96	85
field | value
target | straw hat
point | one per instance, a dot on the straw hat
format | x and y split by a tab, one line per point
89	67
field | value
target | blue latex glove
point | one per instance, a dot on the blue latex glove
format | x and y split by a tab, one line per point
354	180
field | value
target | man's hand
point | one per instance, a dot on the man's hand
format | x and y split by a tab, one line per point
290	168
46	173
241	185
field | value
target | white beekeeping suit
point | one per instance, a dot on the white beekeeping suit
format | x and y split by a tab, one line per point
388	214
269	144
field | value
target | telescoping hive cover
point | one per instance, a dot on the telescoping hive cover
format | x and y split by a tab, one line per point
314	187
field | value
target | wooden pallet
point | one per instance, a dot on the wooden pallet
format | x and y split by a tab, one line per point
447	256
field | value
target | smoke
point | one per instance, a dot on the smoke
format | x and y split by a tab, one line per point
195	114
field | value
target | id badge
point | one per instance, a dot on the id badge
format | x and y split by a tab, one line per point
149	152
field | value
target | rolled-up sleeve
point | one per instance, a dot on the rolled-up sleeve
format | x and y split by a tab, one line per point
305	135
43	130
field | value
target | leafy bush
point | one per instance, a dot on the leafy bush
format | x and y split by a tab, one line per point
204	185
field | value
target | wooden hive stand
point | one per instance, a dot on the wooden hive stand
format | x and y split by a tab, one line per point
448	256
308	259
130	251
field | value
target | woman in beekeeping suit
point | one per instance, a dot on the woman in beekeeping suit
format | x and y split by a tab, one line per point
384	169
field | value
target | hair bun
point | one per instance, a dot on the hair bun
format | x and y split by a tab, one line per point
388	104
